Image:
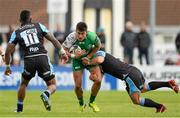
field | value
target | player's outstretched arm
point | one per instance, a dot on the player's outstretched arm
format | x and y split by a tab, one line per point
95	61
9	50
56	44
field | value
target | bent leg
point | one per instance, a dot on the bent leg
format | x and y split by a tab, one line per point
21	94
51	87
146	102
78	85
158	84
96	76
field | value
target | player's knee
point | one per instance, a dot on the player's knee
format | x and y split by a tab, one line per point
78	87
136	102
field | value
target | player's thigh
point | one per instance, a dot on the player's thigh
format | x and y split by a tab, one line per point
44	68
137	78
24	81
78	77
29	69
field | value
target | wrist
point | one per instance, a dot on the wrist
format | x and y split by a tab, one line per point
62	51
88	56
72	55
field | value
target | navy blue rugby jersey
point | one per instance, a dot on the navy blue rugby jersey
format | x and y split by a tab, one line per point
30	38
114	66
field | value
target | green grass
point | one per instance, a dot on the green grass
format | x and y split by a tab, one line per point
111	103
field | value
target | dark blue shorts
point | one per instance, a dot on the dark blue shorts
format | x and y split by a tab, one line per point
41	65
134	81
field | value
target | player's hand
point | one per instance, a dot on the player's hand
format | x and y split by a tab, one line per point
64	58
85	61
78	53
7	70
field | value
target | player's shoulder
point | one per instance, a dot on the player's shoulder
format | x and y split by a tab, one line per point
71	36
91	35
70	39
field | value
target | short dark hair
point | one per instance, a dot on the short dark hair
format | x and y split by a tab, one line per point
81	26
25	16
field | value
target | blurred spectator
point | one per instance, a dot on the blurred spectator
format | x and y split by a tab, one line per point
169	61
8	36
102	36
11	29
2	46
143	43
1	38
177	43
173	61
128	42
59	35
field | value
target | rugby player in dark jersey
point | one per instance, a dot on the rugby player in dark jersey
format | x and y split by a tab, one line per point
30	38
134	79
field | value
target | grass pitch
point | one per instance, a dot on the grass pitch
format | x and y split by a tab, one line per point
111	103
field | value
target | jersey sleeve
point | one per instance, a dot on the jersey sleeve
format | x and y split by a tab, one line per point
94	38
13	38
101	53
43	29
70	40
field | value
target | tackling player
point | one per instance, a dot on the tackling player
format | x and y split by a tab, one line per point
90	43
134	79
30	37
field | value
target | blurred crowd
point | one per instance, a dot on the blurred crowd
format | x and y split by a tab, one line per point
142	41
129	40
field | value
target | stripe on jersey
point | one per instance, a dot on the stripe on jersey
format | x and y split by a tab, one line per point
132	86
43	28
13	36
101	53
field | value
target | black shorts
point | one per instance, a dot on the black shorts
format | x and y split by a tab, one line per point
41	64
134	81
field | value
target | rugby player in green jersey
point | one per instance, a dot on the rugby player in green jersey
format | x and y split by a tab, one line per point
90	44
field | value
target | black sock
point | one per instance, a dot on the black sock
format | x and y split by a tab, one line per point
81	101
92	98
150	103
47	93
156	85
19	106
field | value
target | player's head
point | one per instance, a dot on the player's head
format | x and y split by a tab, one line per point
25	16
81	31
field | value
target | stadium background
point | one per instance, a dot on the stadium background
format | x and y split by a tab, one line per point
161	16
